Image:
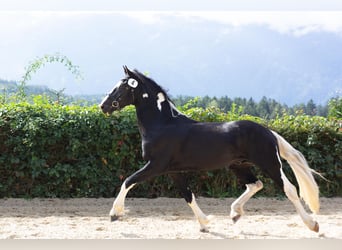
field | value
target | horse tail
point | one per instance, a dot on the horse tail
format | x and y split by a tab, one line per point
308	188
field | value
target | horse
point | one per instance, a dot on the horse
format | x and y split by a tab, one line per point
174	144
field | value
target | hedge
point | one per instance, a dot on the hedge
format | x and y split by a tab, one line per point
50	150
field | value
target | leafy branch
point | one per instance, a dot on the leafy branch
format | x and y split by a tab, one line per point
39	62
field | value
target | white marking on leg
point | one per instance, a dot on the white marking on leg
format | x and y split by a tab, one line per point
119	202
201	217
291	193
161	98
237	206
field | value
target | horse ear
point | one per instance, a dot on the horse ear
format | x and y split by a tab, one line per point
127	71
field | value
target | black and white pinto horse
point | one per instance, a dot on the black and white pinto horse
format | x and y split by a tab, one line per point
174	144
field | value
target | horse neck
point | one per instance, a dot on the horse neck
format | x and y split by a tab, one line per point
152	116
149	118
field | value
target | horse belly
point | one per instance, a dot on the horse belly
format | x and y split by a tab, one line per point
207	154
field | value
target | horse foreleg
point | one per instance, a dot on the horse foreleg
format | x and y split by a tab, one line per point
237	206
119	202
148	171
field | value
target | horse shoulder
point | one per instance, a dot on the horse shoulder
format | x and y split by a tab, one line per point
163	142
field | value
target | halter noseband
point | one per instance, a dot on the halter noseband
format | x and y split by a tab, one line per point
115	104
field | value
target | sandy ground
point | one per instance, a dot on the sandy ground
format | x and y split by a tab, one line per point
161	218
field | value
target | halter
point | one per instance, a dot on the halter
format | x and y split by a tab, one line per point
116	104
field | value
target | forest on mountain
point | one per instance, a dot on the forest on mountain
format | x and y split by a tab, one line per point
265	108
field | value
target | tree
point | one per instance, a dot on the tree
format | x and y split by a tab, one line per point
251	108
335	107
311	108
263	108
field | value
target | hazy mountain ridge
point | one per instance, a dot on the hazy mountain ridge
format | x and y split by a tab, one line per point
193	57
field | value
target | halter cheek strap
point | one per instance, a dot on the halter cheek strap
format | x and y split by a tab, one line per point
133	99
116	104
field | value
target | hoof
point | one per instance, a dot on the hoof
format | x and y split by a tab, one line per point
204	230
236	218
114	218
316	228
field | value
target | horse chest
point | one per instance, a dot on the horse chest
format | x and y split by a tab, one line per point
162	145
150	149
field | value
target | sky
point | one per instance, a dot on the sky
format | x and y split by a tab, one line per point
101	36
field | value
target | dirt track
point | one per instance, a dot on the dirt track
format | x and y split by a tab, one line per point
161	218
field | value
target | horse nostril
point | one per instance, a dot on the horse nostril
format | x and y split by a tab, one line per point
102	107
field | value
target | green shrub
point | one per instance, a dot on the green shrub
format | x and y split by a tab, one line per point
64	151
335	107
320	141
50	150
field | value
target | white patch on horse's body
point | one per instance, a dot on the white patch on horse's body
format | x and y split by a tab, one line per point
119	203
201	217
237	206
132	83
160	99
145	95
174	109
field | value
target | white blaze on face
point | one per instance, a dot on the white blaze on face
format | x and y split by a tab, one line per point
116	86
161	98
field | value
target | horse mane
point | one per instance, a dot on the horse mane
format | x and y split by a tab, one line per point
151	85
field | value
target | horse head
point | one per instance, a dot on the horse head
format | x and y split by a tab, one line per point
126	92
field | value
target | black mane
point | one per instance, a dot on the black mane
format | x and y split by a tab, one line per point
151	84
169	108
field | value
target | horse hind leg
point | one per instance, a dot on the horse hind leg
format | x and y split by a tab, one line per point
189	197
291	193
277	174
237	206
201	217
253	185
